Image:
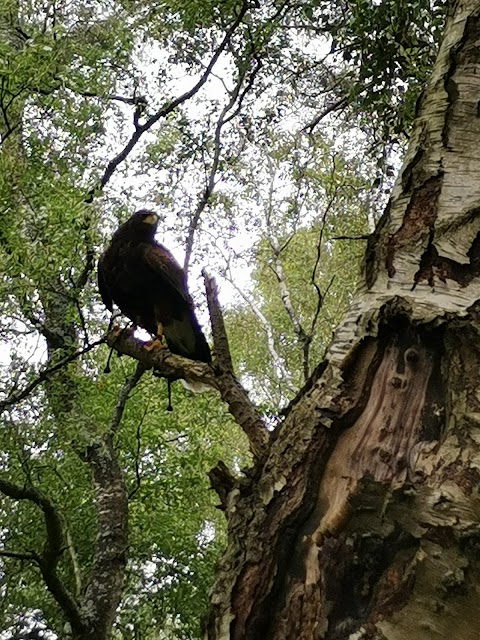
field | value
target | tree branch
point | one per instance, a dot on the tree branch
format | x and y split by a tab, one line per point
130	383
231	391
52	550
140	129
320	296
19	555
334	106
75	565
365	236
277	360
222	120
45	374
164	362
222	379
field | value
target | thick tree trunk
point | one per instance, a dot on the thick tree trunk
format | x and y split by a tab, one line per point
364	520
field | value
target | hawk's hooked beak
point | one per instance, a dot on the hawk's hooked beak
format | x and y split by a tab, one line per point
152	218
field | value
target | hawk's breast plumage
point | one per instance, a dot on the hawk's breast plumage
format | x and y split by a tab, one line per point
148	285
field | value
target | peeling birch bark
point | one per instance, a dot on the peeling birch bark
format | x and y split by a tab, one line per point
364	519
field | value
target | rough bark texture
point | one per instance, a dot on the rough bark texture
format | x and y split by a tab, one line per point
92	612
364	520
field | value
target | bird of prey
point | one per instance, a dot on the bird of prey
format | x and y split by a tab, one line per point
148	285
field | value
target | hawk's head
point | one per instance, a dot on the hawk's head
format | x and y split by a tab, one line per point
141	227
146	217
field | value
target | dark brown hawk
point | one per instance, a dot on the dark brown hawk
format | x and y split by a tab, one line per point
148	285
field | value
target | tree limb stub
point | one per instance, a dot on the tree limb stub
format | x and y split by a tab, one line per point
231	391
222	482
220	338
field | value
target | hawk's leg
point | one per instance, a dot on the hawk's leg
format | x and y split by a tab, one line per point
157	342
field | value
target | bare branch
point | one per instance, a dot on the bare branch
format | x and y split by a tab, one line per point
277	269
231	391
320	300
89	255
334	106
277	360
330	203
235	96
164	362
138	440
174	367
303	338
220	338
75	565
276	266
19	555
320	296
140	129
365	236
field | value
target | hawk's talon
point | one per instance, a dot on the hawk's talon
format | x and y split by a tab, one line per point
127	331
154	344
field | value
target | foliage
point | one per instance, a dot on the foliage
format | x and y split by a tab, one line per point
175	529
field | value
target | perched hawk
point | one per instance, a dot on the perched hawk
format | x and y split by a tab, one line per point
148	285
